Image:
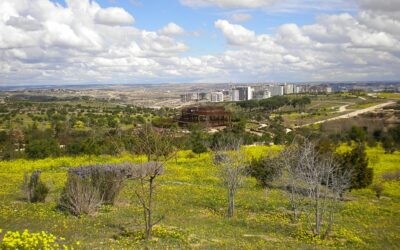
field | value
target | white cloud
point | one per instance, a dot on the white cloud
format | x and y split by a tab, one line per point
44	42
376	5
234	33
25	23
240	17
229	3
172	29
336	47
113	16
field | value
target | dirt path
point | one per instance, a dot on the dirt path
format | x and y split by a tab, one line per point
351	114
343	108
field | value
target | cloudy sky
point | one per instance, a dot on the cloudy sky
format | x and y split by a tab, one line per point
157	41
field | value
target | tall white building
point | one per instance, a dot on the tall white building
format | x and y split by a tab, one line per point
217	97
297	89
276	89
242	93
235	95
288	89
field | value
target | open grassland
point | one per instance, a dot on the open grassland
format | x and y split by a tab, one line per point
193	201
395	96
326	106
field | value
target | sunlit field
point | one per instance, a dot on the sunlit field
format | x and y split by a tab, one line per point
193	203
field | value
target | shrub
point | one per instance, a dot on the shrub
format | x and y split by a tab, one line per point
39	149
90	186
34	189
391	176
356	161
265	170
199	148
108	179
378	189
79	196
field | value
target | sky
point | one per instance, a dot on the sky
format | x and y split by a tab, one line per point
193	41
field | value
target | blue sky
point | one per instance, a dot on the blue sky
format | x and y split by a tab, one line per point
154	14
150	41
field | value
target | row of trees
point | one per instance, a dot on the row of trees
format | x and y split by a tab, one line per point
275	103
315	178
389	137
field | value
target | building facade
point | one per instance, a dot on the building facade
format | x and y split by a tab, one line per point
216	97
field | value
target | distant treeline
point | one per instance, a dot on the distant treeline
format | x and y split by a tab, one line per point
275	102
46	98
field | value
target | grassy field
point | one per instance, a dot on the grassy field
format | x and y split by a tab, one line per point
326	106
395	96
191	198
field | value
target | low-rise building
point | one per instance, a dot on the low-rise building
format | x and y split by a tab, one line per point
209	116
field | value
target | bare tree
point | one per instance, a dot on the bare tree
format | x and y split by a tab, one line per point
231	163
158	146
292	179
324	182
146	174
155	144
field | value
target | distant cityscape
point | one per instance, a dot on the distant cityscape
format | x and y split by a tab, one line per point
246	93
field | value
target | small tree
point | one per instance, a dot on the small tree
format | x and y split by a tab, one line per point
358	134
292	178
356	162
42	148
266	169
157	146
231	164
378	189
199	148
324	182
34	189
146	174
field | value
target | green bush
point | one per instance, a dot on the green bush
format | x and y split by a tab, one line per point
265	170
42	148
34	188
357	162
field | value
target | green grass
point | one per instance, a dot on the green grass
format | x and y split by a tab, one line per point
395	96
365	104
194	204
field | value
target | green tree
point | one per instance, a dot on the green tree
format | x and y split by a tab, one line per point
42	148
265	170
357	162
358	134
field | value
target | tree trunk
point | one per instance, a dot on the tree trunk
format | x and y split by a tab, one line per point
317	213
149	213
231	208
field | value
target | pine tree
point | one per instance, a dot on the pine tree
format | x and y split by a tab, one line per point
357	162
